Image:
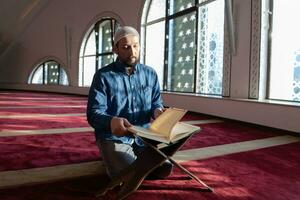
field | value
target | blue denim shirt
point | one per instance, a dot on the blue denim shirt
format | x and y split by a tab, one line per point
115	93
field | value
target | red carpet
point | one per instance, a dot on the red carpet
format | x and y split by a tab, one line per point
43	123
270	173
24	94
23	152
49	150
4	104
196	116
241	176
62	110
229	132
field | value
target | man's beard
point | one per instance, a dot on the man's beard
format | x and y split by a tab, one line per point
131	61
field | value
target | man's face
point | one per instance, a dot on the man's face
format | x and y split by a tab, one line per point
128	50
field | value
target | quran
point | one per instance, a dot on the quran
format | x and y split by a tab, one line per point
166	127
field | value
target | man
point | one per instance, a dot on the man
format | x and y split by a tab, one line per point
122	94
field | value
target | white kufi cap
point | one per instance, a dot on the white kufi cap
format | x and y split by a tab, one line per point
123	32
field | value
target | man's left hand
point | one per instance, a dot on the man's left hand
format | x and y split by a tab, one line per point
158	112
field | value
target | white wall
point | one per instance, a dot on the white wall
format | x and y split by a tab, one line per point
263	113
45	37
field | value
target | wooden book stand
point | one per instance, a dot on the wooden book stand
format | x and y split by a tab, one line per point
130	178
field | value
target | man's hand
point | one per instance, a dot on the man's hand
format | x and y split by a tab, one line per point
119	126
158	112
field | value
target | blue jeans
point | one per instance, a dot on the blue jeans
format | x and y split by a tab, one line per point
118	156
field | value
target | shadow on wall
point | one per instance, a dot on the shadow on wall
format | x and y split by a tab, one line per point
12	69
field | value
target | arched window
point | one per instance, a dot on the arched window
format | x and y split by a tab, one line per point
279	22
184	41
48	73
96	49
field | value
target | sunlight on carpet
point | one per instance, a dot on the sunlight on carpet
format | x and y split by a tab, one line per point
264	171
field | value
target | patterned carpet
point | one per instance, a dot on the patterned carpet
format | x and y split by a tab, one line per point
48	152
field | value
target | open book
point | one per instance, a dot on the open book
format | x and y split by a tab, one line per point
166	128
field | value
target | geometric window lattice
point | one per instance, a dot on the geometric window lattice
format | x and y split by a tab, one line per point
105	44
96	49
210	48
296	81
180	5
257	63
50	73
193	44
53	73
226	63
181	55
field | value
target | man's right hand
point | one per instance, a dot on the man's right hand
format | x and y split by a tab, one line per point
119	126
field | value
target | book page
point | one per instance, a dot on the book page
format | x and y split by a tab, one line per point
166	121
146	133
181	130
